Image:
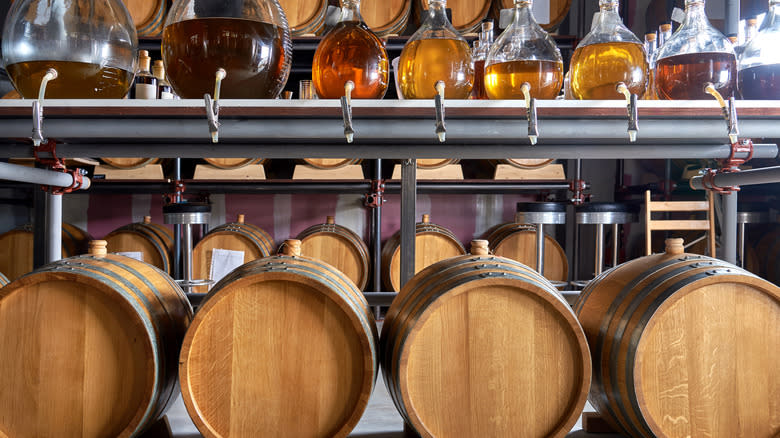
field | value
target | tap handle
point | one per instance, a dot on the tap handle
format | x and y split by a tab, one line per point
441	129
37	107
346	110
530	113
631	106
729	111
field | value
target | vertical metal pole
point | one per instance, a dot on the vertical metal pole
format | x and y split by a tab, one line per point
408	218
729	228
615	244
177	228
53	228
39	228
741	244
731	26
599	248
187	256
576	246
376	233
540	249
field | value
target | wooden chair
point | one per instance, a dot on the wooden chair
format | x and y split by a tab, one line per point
707	224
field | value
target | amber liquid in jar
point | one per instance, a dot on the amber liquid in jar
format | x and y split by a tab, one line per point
596	70
683	77
75	80
505	79
350	52
425	62
479	92
250	51
761	82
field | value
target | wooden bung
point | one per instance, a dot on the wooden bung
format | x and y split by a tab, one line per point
330	220
292	247
674	246
240	219
98	247
147	220
426	218
479	247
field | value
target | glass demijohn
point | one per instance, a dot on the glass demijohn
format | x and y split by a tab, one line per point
249	39
481	48
436	52
759	64
90	43
609	54
524	52
350	52
696	53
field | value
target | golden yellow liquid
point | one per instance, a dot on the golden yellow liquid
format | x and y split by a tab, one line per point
505	79
596	70
425	62
75	80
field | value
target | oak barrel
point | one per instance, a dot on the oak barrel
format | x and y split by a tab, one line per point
148	16
233	163
386	17
16	248
432	243
339	247
129	163
684	345
98	355
517	241
154	242
331	163
559	9
282	346
250	239
483	346
467	15
305	16
524	163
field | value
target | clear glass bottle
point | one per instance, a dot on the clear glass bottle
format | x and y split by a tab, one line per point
759	64
145	83
481	48
249	39
164	89
664	33
91	43
696	54
436	52
651	49
609	54
350	51
524	52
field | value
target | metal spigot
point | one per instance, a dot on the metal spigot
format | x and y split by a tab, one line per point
212	106
441	129
530	113
729	111
346	110
37	108
633	113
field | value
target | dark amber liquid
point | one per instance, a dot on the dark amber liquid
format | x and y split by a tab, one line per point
505	79
683	77
760	83
251	53
75	80
479	92
350	52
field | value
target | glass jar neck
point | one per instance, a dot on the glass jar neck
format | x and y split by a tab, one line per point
772	18
350	10
695	14
608	15
523	13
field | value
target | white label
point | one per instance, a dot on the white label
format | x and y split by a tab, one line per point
133	255
678	15
166	95
145	91
540	9
222	262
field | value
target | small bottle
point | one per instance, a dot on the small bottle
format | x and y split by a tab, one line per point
164	89
759	64
695	55
145	84
664	33
609	54
751	29
481	49
651	49
436	52
524	53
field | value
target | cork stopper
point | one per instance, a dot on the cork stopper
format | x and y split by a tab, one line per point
650	36
240	219
666	27
733	38
674	246
426	218
98	247
479	247
291	247
330	220
158	69
144	61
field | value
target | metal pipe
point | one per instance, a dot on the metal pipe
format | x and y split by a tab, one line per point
540	248
408	218
576	231
177	228
599	248
15	172
615	244
53	228
764	175
729	228
187	256
741	244
376	233
731	25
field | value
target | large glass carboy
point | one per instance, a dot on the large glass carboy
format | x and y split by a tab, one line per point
609	54
524	52
759	64
90	43
696	54
350	52
249	39
436	52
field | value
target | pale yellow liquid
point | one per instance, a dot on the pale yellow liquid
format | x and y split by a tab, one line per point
504	80
596	70
425	62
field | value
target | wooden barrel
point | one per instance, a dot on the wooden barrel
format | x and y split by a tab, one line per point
16	248
305	16
387	17
467	15
525	163
145	241
483	346
282	346
517	241
432	243
331	163
559	9
235	236
435	163
148	16
233	163
684	346
340	247
129	163
98	356
769	248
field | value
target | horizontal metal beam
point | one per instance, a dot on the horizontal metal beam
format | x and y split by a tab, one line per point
766	175
15	172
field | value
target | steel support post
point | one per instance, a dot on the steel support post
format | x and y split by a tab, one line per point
177	228
729	228
376	234
731	26
53	228
408	218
